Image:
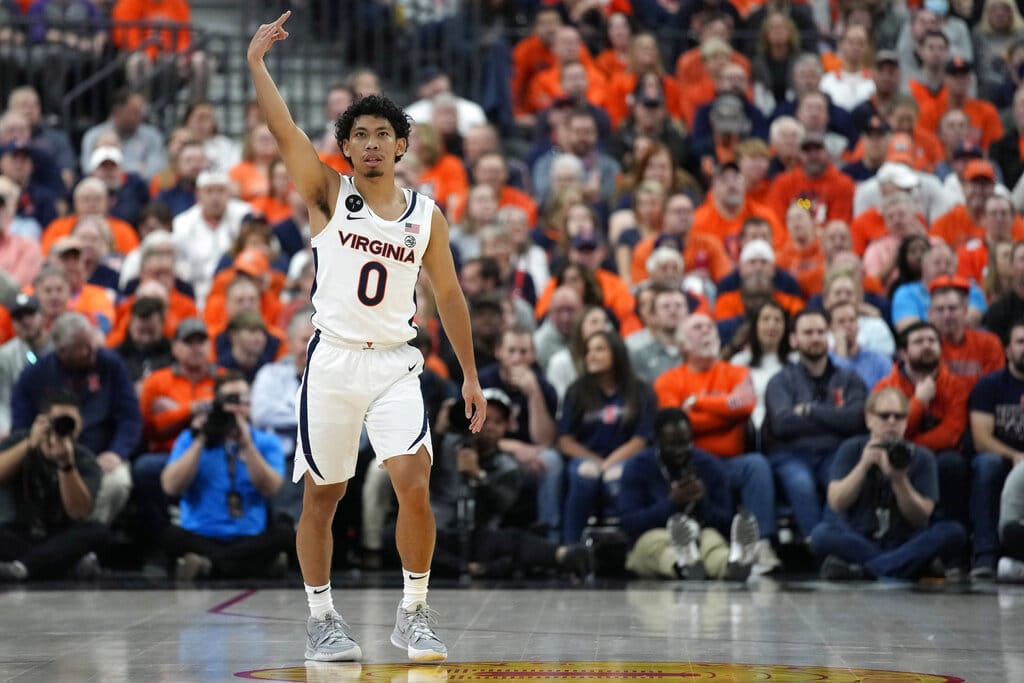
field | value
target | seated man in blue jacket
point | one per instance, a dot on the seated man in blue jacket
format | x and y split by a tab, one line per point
111	421
675	506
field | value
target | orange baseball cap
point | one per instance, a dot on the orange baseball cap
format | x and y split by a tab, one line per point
949	282
979	168
252	262
902	149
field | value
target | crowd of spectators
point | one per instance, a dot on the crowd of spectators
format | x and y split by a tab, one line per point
740	274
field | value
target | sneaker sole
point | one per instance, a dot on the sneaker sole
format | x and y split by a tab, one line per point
352	654
419	655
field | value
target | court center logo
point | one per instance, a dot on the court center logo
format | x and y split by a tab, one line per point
581	672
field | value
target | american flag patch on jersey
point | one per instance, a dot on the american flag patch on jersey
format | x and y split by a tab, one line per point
412	227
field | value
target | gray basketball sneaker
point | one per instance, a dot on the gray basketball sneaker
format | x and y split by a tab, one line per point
330	640
414	632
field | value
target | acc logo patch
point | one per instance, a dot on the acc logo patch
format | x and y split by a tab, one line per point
410	241
581	672
353	203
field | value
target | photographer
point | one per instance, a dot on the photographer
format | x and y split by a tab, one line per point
225	473
675	506
54	481
883	490
474	483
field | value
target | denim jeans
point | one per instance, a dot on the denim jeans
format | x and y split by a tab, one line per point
905	561
804	477
585	491
152	503
988	472
750	476
549	491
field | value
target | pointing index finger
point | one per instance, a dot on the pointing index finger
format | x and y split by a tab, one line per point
283	18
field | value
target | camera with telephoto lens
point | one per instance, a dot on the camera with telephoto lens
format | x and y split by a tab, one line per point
899	453
219	422
63	425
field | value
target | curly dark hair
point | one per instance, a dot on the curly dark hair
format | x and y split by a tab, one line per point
372	105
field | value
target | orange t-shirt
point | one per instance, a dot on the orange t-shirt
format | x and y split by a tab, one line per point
947	411
978	354
730	304
925	98
166	401
446	180
831	193
252	181
982	115
610	64
546	87
617	299
866	228
510	196
274	210
179	307
6	326
956	228
690	67
337	162
270	300
707	220
96	303
719	422
702	252
155	12
126	239
616	102
804	264
529	57
972	260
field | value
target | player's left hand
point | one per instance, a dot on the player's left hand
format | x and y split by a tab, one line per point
476	404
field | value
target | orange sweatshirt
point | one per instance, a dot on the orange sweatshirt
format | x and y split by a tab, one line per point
165	401
125	237
940	425
833	189
719	423
147	11
617	299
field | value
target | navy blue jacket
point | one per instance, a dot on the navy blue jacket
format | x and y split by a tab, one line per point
837	408
111	420
783	281
644	503
178	199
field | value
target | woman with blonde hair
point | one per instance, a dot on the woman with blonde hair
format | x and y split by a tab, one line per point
1000	26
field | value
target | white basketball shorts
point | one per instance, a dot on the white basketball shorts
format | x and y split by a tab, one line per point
346	386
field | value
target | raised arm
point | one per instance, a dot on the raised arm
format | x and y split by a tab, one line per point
316	182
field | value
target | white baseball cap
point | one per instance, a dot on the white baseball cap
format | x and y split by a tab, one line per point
103	154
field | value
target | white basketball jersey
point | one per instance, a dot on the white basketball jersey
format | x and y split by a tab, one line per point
366	269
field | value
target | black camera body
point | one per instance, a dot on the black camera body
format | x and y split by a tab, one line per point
220	422
899	453
63	425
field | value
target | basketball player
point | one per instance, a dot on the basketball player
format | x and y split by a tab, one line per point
370	238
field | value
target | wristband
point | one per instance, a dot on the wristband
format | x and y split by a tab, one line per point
66	467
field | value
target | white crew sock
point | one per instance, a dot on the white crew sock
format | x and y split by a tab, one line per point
415	591
320	600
